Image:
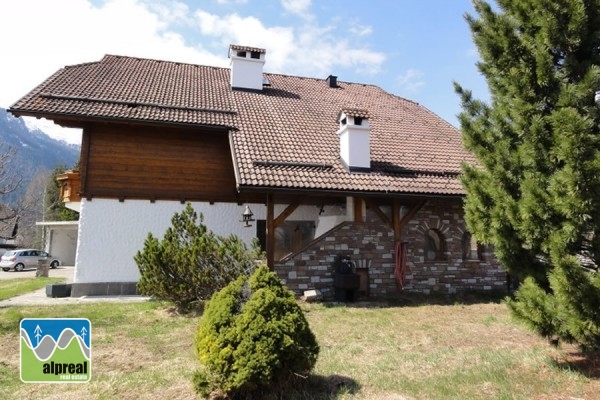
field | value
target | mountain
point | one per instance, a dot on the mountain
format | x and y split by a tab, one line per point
35	151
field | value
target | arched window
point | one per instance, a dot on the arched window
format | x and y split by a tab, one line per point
435	245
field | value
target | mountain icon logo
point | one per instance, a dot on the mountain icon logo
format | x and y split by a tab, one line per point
56	350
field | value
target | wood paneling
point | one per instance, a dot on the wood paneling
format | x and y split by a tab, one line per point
157	163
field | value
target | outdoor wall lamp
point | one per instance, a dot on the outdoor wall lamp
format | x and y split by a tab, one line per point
247	217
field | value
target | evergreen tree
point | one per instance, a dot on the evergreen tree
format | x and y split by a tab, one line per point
535	195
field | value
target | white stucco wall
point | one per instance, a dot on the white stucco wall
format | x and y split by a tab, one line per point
63	243
112	232
60	239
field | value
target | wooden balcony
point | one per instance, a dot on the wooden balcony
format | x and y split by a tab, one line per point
70	184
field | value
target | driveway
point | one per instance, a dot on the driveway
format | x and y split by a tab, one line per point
62	271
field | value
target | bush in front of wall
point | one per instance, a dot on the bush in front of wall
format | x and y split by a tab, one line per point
190	263
252	337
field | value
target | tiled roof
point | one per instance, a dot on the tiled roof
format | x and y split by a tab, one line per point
283	137
128	88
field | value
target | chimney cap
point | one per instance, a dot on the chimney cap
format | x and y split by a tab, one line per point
237	47
354	112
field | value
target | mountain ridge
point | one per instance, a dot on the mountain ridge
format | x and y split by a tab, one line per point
35	151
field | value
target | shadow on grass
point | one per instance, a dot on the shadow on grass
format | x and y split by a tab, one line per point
587	365
313	387
406	299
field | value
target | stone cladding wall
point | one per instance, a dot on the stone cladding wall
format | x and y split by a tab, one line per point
370	245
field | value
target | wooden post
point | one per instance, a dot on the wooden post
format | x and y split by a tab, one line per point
396	220
358	209
270	232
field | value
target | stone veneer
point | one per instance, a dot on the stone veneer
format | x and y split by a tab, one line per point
370	244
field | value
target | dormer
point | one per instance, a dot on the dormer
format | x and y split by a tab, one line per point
355	147
246	67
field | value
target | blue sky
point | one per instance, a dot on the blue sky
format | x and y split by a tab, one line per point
411	48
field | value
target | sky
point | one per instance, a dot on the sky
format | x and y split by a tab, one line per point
415	49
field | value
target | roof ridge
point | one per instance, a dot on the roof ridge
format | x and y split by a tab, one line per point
107	56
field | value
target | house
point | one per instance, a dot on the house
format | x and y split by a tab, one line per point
321	168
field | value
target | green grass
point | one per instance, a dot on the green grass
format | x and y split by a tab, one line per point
454	351
15	287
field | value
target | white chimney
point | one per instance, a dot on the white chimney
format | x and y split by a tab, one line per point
355	132
246	67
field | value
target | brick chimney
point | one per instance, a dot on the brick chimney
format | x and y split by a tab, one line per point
246	67
355	132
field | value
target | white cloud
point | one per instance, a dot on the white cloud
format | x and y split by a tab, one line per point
231	1
411	81
45	36
310	50
361	30
298	7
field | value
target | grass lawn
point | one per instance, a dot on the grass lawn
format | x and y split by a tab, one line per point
14	287
383	352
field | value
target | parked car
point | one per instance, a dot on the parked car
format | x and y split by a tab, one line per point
26	258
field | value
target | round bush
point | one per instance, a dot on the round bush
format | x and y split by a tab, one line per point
252	336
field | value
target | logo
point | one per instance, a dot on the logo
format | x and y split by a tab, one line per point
56	350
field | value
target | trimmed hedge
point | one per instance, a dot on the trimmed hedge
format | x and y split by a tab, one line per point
253	336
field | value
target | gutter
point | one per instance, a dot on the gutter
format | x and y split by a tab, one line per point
82	120
344	193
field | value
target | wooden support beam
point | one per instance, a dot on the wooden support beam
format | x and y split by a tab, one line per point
270	232
287	212
384	218
411	213
399	223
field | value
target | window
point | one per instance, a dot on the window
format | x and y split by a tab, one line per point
435	245
255	55
241	54
289	237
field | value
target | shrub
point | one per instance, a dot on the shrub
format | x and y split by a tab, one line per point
190	263
253	336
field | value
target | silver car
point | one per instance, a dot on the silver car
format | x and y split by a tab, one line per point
26	258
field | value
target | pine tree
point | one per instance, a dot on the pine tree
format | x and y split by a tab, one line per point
535	195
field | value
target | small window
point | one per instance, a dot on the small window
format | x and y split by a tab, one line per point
434	245
289	237
241	54
358	120
344	121
255	55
